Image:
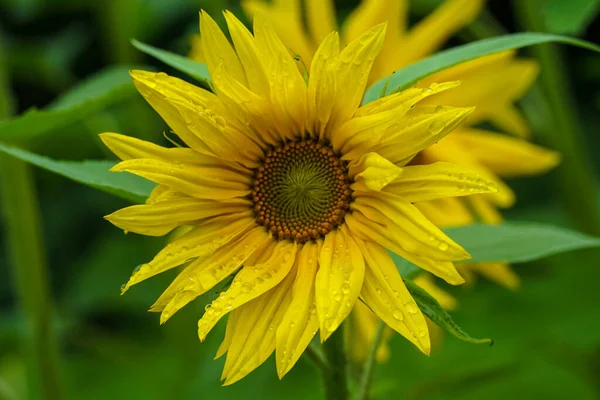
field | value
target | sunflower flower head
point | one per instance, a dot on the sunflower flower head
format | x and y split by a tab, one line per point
292	188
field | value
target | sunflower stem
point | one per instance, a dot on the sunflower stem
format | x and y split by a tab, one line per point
563	131
367	373
317	357
335	378
19	204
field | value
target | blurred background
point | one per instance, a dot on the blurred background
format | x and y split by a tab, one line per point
547	335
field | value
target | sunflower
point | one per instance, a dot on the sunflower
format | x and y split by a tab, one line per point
292	188
491	83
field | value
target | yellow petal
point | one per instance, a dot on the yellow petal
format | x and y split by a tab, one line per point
254	335
321	86
249	283
373	172
321	19
197	181
452	150
288	89
232	321
446	212
422	127
201	275
485	209
373	12
202	241
338	282
217	50
251	109
432	31
493	98
507	156
500	273
300	323
408	226
197	116
247	51
510	119
377	121
286	19
438	180
369	230
353	66
385	293
158	219
402	101
127	148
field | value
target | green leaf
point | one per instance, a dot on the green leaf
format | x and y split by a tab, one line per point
512	242
92	173
196	70
518	241
569	17
105	88
409	75
431	308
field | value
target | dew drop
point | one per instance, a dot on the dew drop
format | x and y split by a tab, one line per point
443	246
345	288
436	127
422	333
411	307
397	314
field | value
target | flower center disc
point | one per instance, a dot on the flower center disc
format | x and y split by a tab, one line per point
302	191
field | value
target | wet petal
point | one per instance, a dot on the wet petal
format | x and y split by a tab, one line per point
422	127
160	218
370	230
408	226
254	334
321	86
203	182
288	89
385	293
217	49
353	65
300	323
373	172
202	241
249	283
204	273
339	279
438	180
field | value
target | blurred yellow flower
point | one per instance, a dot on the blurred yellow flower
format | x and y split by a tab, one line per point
294	189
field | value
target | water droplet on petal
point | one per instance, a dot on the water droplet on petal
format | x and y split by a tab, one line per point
411	307
397	314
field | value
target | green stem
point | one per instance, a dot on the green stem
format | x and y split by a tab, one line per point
564	133
367	373
25	245
335	378
18	201
317	357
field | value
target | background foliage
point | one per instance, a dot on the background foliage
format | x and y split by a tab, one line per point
69	60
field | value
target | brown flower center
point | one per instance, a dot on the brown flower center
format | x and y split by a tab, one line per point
301	191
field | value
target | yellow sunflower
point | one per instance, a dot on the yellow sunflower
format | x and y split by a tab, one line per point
491	83
292	188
